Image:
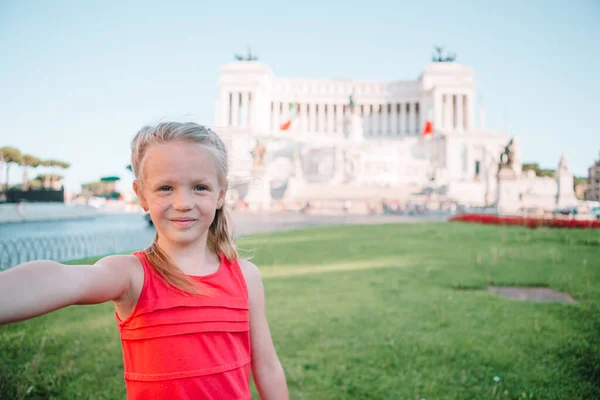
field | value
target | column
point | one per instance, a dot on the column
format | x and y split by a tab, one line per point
403	119
443	113
285	113
312	117
411	119
306	117
367	120
321	117
317	110
244	110
376	120
235	109
330	119
469	113
459	113
251	112
275	116
422	116
399	119
417	117
394	120
454	112
448	112
303	119
339	119
385	119
438	105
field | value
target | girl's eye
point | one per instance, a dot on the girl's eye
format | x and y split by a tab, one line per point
201	188
165	188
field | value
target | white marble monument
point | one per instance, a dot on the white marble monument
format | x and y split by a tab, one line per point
354	138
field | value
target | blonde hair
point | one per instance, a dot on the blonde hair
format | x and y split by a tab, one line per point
220	234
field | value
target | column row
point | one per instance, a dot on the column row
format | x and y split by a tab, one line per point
391	119
454	113
239	109
309	117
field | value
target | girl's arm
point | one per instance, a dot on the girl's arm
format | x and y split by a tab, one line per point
267	372
38	287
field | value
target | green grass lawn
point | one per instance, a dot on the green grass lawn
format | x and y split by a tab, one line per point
374	312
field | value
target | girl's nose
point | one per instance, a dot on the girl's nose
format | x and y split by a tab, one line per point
183	201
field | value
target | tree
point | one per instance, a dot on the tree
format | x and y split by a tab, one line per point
10	155
111	185
27	162
102	188
62	165
92	188
538	171
48	177
531	167
35	184
578	182
53	164
110	179
47	163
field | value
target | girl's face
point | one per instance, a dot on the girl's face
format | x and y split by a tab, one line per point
181	190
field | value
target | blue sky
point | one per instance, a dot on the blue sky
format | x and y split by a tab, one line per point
78	79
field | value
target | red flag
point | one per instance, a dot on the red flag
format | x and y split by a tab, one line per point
293	112
286	126
427	129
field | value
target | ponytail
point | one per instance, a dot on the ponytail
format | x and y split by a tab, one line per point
221	236
169	272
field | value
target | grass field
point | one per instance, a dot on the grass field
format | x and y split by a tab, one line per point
374	312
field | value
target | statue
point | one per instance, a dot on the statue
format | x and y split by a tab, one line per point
507	155
562	165
248	57
351	102
450	57
258	155
508	168
565	195
353	125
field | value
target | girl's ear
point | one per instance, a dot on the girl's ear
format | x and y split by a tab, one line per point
137	188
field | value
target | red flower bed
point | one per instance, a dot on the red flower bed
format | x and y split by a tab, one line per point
525	221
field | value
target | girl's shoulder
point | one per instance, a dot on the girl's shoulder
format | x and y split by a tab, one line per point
127	262
131	265
248	268
251	276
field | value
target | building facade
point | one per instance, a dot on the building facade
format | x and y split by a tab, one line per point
327	137
593	190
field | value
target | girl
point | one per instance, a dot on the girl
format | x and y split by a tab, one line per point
190	313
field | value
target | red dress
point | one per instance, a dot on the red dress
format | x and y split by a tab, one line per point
178	346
